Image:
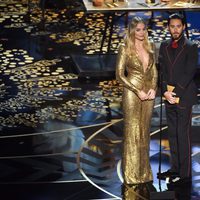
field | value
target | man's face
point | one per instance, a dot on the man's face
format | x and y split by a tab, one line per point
176	28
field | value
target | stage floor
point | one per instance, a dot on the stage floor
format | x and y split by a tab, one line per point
61	131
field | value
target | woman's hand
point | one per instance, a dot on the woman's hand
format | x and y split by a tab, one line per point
142	95
151	94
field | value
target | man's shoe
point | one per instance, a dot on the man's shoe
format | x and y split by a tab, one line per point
167	174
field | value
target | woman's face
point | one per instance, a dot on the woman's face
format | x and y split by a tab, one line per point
140	31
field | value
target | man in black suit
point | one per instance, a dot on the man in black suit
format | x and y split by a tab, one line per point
178	58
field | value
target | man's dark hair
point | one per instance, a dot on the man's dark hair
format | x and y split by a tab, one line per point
176	16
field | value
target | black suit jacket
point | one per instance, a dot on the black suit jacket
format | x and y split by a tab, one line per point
178	68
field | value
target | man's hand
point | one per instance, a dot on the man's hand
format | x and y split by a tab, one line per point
170	97
151	94
142	95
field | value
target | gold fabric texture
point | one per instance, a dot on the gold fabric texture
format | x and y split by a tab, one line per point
136	192
137	115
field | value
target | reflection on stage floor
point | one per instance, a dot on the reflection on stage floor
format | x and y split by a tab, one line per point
61	134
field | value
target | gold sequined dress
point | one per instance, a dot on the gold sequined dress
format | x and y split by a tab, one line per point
137	115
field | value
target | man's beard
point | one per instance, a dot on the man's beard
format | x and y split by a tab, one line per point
177	37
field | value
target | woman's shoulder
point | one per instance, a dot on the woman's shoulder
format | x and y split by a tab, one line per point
152	46
121	47
152	43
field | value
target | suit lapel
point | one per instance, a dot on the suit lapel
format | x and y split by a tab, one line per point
180	51
170	55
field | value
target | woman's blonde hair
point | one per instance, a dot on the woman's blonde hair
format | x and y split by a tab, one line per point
130	36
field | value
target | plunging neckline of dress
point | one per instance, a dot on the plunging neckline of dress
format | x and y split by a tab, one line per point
144	69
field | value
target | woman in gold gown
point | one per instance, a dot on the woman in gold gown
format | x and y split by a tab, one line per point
136	71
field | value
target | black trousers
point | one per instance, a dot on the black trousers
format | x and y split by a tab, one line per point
179	135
